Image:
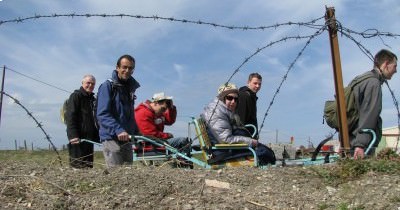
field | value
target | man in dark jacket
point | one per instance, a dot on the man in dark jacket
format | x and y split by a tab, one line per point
115	113
368	97
81	124
247	106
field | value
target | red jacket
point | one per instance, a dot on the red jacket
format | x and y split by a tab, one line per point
151	124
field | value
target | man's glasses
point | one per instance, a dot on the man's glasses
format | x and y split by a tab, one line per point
230	98
129	68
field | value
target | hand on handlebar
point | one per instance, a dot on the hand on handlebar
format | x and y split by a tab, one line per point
124	136
358	153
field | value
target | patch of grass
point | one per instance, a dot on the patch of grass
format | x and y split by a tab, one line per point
349	169
42	157
37	155
346	206
395	199
343	206
80	186
387	154
323	206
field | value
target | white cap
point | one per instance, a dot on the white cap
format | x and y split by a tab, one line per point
160	96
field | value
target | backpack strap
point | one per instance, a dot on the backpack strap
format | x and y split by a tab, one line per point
360	79
114	86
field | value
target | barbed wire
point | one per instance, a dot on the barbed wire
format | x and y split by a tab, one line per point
310	24
347	32
247	59
366	34
317	33
264	47
37	80
396	105
36	121
369	33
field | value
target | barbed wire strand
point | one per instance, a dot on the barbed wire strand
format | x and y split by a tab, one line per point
310	24
38	124
317	33
247	59
396	105
369	33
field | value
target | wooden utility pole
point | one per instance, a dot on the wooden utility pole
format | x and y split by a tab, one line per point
2	90
337	74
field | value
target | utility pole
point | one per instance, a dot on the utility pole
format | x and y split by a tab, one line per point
337	73
2	90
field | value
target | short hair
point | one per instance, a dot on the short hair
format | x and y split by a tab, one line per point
129	57
88	76
254	75
382	56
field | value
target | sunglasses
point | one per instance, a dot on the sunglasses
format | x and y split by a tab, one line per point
230	98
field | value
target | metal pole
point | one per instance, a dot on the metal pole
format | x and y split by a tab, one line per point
337	73
2	89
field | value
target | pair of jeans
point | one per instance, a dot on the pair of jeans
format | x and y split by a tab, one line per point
117	152
180	143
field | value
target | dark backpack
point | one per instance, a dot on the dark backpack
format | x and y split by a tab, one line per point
330	110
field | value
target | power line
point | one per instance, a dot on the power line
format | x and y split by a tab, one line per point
37	80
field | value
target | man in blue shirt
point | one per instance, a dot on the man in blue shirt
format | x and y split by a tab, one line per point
115	113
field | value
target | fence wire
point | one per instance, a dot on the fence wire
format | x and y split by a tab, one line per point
312	24
39	124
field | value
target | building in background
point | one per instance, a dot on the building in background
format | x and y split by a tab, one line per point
390	139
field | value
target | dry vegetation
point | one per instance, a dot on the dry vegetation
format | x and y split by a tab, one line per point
35	180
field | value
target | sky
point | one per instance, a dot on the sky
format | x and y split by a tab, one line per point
46	58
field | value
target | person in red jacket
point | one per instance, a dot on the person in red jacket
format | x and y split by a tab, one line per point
151	117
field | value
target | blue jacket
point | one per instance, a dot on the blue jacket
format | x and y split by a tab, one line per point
115	107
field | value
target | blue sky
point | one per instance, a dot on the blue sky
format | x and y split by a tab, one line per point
185	60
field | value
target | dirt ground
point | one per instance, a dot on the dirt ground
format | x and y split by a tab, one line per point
26	183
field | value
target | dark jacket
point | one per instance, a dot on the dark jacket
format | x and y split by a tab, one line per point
115	108
247	107
368	97
80	116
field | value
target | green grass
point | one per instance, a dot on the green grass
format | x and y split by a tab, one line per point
42	156
348	169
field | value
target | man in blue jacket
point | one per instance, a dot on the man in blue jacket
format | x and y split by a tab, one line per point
115	113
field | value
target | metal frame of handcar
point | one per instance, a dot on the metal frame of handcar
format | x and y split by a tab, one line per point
201	135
